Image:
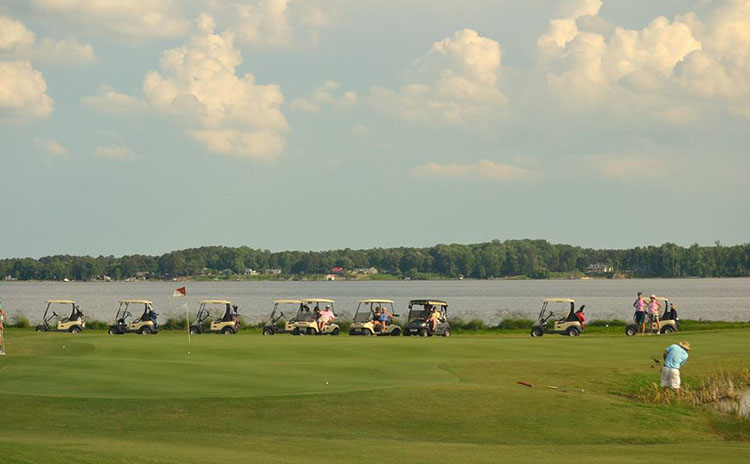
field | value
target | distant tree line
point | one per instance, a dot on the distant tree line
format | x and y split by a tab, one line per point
533	258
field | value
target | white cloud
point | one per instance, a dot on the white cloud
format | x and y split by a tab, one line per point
625	167
52	147
456	81
19	43
138	19
272	23
66	51
110	101
230	114
483	169
113	152
671	70
323	96
23	91
14	35
259	144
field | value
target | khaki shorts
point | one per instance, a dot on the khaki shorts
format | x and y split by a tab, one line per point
670	377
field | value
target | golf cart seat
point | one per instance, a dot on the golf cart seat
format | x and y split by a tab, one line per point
571	317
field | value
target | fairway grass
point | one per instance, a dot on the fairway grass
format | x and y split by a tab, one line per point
94	398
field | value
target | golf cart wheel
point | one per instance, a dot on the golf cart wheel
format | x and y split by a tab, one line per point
145	331
536	332
395	332
267	331
311	331
667	330
573	332
447	333
424	332
193	331
335	331
111	331
366	332
631	330
75	329
296	331
227	331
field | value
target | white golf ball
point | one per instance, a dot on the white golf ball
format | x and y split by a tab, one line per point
63	346
188	352
326	383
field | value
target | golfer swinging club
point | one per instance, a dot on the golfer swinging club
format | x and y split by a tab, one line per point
674	357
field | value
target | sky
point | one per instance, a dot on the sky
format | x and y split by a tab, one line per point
145	126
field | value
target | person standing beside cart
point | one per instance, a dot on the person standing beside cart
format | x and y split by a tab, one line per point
640	313
2	329
653	313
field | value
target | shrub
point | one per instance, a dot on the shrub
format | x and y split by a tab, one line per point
514	324
20	322
174	323
97	325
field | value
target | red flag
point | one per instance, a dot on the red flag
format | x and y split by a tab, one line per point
180	292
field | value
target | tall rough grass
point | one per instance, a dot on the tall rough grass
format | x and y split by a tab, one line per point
695	392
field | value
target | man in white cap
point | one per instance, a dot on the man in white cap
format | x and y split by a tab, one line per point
674	357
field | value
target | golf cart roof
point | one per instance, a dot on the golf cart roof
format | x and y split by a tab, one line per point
135	301
375	300
559	300
287	301
216	302
317	300
428	302
62	301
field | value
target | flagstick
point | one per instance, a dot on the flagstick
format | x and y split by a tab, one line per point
187	319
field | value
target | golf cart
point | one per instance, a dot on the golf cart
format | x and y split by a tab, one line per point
419	312
568	325
670	322
366	319
305	322
73	323
144	325
229	323
272	327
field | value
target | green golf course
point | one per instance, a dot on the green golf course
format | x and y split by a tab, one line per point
94	398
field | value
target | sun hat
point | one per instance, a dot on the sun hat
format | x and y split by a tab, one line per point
685	345
653	297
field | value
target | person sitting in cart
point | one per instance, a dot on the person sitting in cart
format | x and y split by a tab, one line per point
433	318
382	318
326	317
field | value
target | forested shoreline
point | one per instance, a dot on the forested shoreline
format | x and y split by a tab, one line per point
537	259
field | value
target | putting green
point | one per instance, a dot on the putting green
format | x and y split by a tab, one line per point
98	398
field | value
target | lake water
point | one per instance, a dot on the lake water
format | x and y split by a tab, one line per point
491	301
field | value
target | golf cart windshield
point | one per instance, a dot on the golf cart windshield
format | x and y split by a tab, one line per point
306	311
368	310
422	310
73	313
561	309
228	314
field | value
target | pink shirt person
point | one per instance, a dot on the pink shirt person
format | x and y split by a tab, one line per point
327	315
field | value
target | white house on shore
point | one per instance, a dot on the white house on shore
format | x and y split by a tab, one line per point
365	271
599	268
